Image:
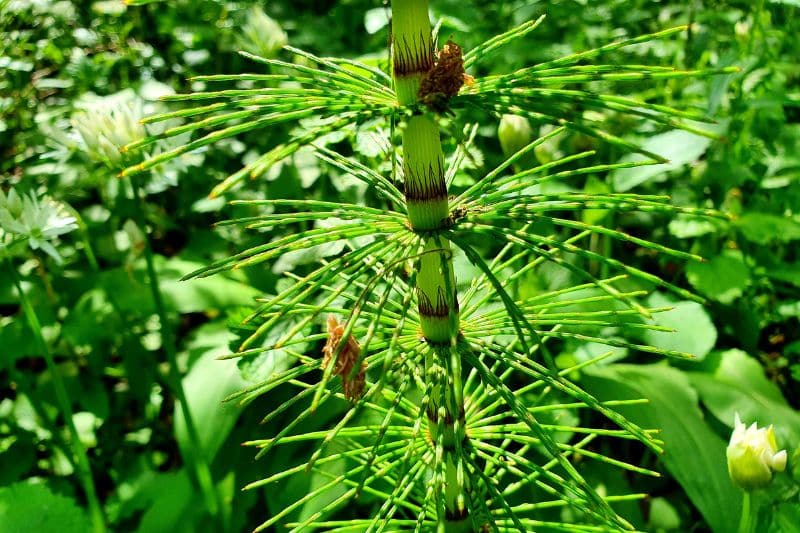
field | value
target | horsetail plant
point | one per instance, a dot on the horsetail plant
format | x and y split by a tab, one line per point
450	392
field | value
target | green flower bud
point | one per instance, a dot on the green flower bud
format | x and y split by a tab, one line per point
753	456
514	132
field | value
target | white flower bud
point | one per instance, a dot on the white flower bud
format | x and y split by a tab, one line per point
753	456
107	124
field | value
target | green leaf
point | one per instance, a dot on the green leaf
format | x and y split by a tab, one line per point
172	495
312	254
679	146
693	454
723	278
86	423
695	333
207	384
786	518
739	385
197	295
18	456
28	507
687	226
788	273
763	228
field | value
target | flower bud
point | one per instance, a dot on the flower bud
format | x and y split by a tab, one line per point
514	133
753	456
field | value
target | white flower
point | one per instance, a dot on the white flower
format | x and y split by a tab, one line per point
38	221
753	455
107	124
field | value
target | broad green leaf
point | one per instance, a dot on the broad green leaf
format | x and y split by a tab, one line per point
199	295
16	340
92	320
29	507
687	226
371	142
259	367
173	509
723	278
764	228
312	254
788	273
739	385
592	350
86	423
207	384
695	333
131	292
18	456
679	146
693	454
786	519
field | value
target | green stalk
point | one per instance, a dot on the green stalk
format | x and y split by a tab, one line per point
194	456
80	459
423	166
426	197
746	520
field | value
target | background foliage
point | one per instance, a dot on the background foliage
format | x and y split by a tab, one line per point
56	56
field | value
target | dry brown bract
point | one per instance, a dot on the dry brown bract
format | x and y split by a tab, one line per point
445	78
348	356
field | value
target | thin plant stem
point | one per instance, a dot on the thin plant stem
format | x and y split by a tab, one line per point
80	459
195	456
83	231
89	251
745	522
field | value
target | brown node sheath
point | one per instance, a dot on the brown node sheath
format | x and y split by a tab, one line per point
427	308
412	58
348	356
428	186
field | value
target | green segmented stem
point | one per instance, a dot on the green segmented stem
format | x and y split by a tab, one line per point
427	206
423	165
